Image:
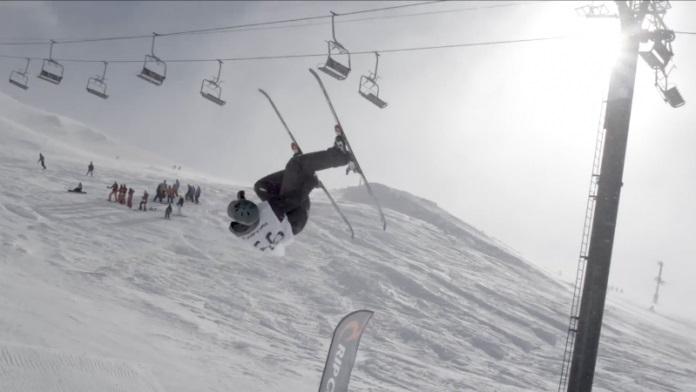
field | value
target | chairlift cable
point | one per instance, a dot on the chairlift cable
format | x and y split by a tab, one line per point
308	55
224	28
273	24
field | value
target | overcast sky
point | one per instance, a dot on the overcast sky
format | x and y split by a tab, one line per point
502	136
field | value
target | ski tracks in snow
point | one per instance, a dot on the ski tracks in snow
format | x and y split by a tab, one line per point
27	368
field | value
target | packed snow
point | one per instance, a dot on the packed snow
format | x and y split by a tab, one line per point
95	296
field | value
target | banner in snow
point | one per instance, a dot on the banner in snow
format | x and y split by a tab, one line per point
343	350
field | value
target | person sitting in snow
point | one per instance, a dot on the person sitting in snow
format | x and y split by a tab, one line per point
77	189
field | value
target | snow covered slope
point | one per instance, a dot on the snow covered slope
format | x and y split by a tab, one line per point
94	296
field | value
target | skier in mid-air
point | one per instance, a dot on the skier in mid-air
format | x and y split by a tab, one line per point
285	204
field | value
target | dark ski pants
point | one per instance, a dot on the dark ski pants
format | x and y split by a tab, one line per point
287	191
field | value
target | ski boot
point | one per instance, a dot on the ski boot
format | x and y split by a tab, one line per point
341	144
295	149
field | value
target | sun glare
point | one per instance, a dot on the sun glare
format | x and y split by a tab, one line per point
599	40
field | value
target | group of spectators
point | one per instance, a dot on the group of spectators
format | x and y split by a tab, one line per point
124	195
171	194
193	193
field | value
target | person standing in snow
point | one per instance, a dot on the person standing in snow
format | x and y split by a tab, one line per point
114	189
129	202
179	204
158	192
168	211
90	169
198	193
42	161
170	194
143	202
122	194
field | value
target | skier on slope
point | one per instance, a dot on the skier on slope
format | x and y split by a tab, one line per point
284	194
42	161
90	169
114	191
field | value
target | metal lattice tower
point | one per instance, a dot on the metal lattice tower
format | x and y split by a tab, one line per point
584	249
589	296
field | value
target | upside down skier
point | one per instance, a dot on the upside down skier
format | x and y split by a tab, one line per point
285	204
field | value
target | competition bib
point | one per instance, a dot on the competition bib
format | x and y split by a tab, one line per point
271	235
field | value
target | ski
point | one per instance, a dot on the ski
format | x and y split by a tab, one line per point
359	169
321	184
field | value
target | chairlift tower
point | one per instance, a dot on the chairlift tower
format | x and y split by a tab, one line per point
593	268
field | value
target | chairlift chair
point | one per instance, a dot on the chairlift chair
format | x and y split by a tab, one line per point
659	55
154	70
338	61
369	88
97	85
211	89
51	70
671	95
19	78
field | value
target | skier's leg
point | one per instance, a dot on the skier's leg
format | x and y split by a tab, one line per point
297	219
269	186
301	168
